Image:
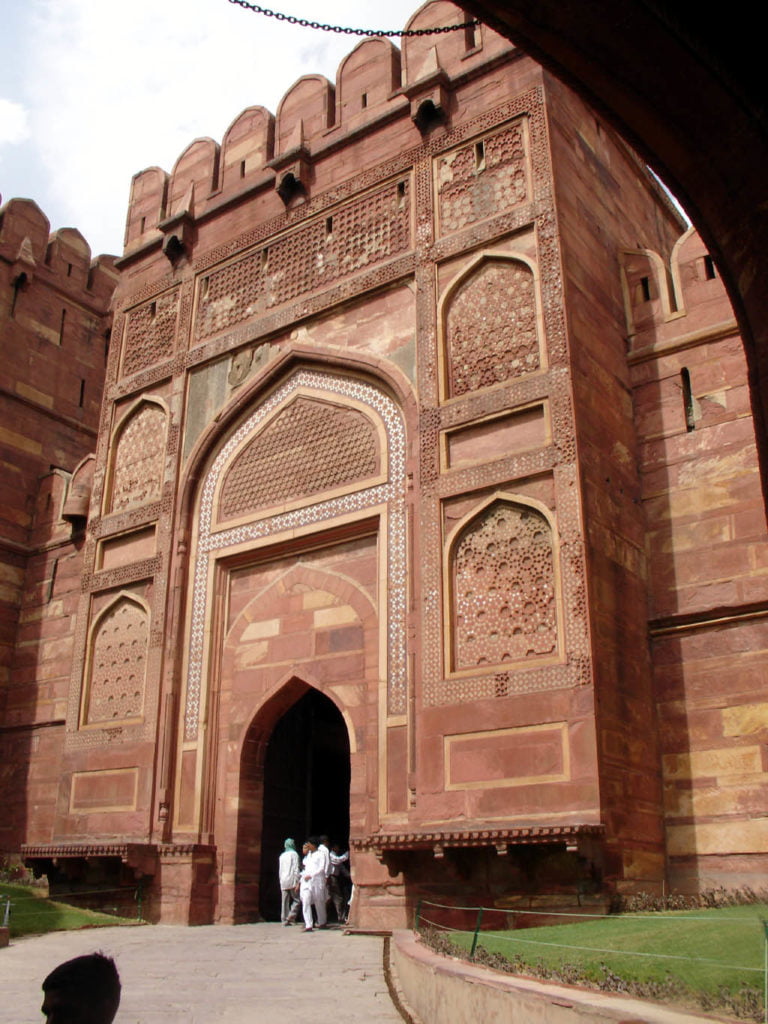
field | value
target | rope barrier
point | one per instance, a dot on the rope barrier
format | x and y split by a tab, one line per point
78	892
594	949
650	916
53	904
624	952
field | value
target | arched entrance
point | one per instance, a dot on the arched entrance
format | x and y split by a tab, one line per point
299	581
303	774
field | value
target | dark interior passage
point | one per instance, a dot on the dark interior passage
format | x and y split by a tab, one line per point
306	786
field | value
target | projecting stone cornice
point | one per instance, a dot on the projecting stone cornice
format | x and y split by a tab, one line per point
500	838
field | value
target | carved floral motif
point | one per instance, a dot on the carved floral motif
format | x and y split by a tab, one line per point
504	588
138	459
491	333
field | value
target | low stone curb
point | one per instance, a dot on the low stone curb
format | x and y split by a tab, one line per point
443	990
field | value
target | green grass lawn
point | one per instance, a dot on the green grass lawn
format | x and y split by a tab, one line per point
33	914
706	950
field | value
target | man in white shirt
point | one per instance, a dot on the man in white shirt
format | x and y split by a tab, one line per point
312	887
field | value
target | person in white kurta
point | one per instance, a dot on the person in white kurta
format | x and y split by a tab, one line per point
289	872
312	888
322	849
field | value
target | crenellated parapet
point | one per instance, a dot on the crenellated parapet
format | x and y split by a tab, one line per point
63	258
665	304
55	317
280	155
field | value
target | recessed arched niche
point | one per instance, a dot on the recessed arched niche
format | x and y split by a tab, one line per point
138	457
503	588
117	663
490	326
308	447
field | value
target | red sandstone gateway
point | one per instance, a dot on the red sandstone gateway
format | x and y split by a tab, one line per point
423	511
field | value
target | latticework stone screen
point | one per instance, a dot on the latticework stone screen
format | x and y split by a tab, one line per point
118	664
308	448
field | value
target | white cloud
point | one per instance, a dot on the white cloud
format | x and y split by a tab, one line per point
126	84
14	123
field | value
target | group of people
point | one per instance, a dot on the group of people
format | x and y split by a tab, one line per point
322	876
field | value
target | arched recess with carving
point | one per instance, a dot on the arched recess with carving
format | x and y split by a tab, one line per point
116	667
361	521
491	324
137	456
503	587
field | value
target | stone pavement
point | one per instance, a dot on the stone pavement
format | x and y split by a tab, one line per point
261	973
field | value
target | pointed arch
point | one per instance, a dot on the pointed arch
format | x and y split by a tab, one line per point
299	735
283	695
306	446
137	456
211	542
325	610
503	605
491	324
379	372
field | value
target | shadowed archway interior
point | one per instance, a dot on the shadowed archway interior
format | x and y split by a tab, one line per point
306	786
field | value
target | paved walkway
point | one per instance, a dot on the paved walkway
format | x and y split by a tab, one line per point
245	974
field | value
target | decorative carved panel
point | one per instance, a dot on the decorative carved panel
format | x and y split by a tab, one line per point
138	458
308	448
351	238
118	664
491	334
504	607
481	178
149	333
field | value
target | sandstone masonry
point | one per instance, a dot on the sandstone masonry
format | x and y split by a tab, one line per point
423	510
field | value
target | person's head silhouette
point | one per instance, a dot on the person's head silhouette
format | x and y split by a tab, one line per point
85	990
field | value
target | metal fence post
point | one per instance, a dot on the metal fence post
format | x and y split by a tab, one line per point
474	937
416	917
765	974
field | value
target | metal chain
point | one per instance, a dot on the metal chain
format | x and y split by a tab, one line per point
340	30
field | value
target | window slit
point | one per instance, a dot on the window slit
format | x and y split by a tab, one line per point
689	404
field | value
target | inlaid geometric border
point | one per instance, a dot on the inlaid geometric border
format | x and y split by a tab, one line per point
212	543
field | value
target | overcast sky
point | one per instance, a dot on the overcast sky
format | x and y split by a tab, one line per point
92	91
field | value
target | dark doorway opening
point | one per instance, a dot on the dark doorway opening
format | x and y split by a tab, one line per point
306	786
